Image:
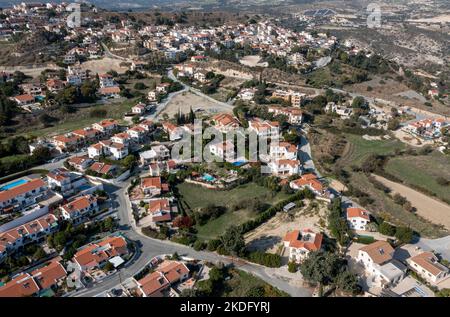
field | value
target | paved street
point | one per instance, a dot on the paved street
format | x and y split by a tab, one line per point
152	247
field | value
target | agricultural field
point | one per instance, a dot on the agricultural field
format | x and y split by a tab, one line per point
359	149
195	197
81	119
384	206
423	171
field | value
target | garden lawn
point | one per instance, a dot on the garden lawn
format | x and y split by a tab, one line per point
422	171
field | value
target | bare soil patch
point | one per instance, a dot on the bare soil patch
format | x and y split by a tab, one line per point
429	208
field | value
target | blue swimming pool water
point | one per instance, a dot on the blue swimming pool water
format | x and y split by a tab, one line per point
208	178
14	184
239	163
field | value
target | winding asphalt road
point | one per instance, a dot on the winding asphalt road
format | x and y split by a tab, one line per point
151	247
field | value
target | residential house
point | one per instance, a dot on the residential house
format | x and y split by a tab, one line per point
225	122
23	285
88	134
80	208
23	195
122	138
309	181
96	254
427	265
107	126
80	163
137	133
50	275
110	92
294	115
162	88
139	109
103	169
32	89
283	150
118	150
95	150
223	150
200	75
358	218
377	260
284	167
106	80
247	94
160	210
23	100
68	142
301	242
157	283
156	168
156	153
175	132
153	186
54	85
33	231
264	128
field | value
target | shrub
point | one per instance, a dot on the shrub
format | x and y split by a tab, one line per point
266	259
213	245
292	267
199	245
404	234
386	229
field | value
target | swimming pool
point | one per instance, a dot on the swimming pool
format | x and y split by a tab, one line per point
14	184
239	163
208	178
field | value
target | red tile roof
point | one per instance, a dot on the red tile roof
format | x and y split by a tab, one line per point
21	189
305	239
354	212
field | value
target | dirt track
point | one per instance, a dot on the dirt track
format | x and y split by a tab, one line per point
427	207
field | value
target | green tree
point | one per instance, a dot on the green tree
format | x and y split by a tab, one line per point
321	267
348	282
404	234
386	229
233	240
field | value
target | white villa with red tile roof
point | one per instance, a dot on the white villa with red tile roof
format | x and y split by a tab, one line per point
310	181
264	128
175	132
294	115
157	283
378	262
225	122
22	195
153	186
81	163
106	126
29	232
301	242
223	150
283	150
284	167
80	208
427	265
358	218
97	254
160	210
